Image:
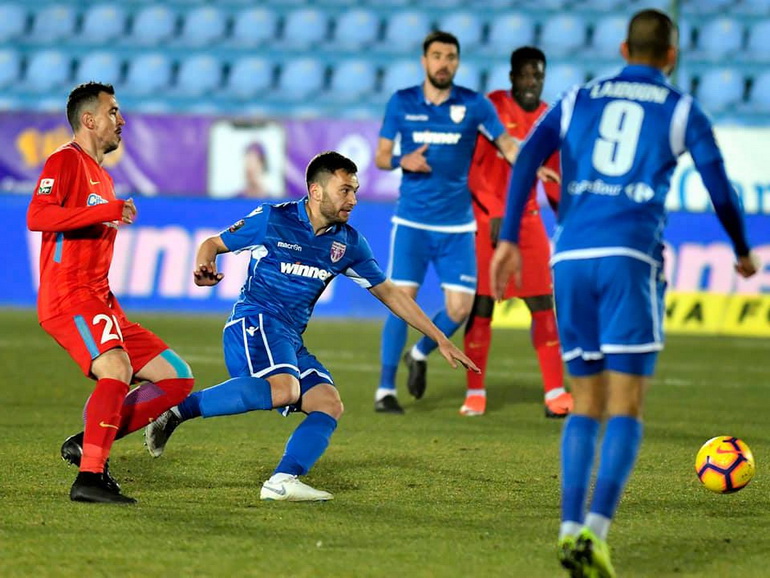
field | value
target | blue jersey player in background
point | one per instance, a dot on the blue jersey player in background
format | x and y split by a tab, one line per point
620	138
437	122
296	250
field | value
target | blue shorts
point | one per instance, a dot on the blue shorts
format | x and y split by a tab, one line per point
610	313
452	254
261	346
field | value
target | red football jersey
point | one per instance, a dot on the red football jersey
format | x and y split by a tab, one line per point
490	172
74	205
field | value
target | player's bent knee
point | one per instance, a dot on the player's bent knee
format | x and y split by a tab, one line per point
113	364
324	398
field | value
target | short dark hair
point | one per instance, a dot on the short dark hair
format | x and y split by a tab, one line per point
325	164
83	95
526	54
650	34
439	36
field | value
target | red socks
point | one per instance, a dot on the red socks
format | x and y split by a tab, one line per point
149	400
545	340
478	337
102	423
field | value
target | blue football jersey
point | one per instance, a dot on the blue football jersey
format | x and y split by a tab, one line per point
439	200
620	138
290	265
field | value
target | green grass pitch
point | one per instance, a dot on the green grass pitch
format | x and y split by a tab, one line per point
427	494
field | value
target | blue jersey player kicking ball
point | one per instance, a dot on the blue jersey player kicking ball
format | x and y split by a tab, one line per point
437	123
296	250
620	137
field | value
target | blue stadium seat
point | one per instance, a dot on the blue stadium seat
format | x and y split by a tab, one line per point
720	89
759	8
356	29
401	74
250	76
102	23
13	22
197	75
53	23
561	77
508	31
720	38
203	26
99	66
405	30
564	34
466	26
148	74
609	32
254	27
304	28
300	78
759	98
758	41
153	25
10	66
469	75
698	7
498	77
352	80
602	5
684	78
47	71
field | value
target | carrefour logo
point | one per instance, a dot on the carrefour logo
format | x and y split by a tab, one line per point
305	271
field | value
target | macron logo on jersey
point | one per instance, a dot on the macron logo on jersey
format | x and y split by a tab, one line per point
430	137
305	271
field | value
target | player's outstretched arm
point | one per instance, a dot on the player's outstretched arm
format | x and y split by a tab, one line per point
205	273
407	309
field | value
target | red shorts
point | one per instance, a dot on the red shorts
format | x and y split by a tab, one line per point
93	327
535	253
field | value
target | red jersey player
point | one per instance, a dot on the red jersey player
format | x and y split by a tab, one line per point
74	206
519	109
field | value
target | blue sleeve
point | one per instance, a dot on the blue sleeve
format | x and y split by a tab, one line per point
539	145
726	204
700	141
364	269
489	121
390	127
248	232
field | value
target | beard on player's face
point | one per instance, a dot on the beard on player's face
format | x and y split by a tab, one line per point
441	83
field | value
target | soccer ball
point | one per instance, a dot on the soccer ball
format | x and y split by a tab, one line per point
724	464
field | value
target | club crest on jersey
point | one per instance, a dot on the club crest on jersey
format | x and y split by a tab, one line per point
457	112
235	226
46	186
337	251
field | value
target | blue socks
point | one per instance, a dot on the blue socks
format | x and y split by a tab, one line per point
578	443
622	440
236	395
394	333
447	326
307	444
